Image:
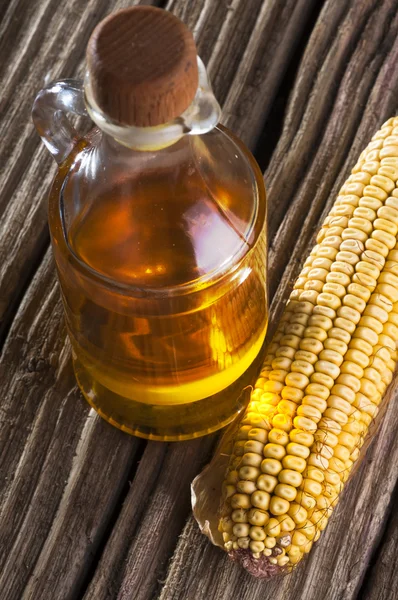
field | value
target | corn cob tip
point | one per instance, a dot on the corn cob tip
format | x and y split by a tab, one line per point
262	567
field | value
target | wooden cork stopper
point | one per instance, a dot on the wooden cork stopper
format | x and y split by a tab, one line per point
142	66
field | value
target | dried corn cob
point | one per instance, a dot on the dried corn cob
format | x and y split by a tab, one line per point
327	368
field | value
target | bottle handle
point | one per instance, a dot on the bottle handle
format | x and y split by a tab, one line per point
49	116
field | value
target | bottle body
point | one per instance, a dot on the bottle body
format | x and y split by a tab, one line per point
162	263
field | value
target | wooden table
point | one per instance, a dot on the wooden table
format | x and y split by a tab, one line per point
85	510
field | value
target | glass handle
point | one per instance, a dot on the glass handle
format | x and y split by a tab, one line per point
49	116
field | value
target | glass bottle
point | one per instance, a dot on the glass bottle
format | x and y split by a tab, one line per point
157	221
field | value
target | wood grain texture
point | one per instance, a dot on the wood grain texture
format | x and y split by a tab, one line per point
55	504
275	36
152	517
383	582
78	516
349	68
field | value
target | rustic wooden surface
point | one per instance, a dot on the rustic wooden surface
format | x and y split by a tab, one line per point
85	510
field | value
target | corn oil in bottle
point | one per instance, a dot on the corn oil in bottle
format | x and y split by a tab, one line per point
157	220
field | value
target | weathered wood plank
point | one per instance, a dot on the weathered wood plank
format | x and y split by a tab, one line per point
154	514
382	583
164	518
351	44
56	39
263	36
54	504
335	569
275	36
321	183
112	566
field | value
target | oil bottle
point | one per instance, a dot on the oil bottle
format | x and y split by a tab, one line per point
157	220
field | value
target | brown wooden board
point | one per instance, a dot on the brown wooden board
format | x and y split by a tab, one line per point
85	510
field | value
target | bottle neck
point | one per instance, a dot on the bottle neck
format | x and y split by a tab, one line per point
200	117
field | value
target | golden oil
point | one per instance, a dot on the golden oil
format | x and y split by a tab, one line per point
165	297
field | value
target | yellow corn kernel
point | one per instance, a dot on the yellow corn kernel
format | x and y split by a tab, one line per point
323	503
257	517
312	487
257	547
243	432
290	477
317	460
257	533
310	412
308	529
287	407
247	474
299	539
260	500
240	501
241	529
294	550
305	500
246	487
244	542
319	519
267	483
314	401
341	452
321	449
226	525
326	437
298	450
254	446
273	528
278	436
228	490
279	506
294	559
338	403
314	473
304	438
232	477
297	513
285	491
282	421
271	466
275	451
294	463
282	560
286	522
270	542
252	460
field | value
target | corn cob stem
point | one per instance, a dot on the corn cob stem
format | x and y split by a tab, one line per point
327	368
